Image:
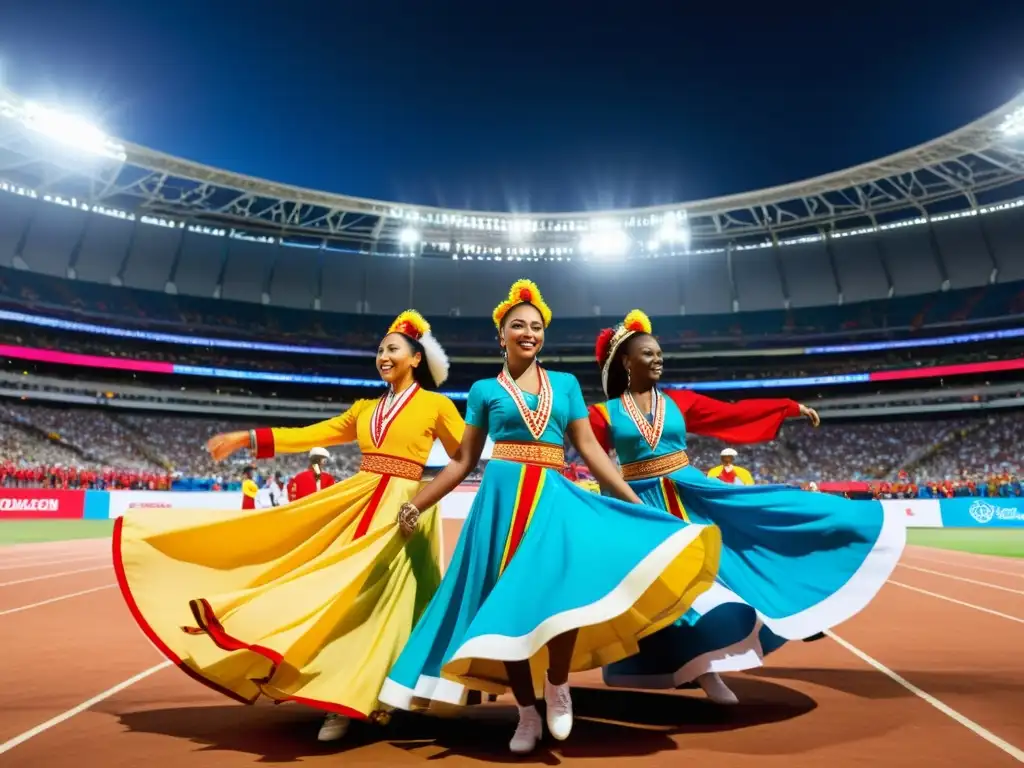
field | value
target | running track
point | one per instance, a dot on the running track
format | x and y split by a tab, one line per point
930	674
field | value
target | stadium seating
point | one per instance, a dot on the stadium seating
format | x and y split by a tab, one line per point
78	299
946	276
147	450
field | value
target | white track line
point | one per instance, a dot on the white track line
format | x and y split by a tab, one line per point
57	599
958	602
54	575
951	576
21	738
945	709
960	556
44	563
962	564
41	557
30	547
44	552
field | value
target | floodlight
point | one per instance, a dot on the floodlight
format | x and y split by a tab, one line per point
1013	124
674	229
70	130
607	244
408	236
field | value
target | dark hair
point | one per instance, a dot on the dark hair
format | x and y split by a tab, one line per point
618	379
421	373
504	320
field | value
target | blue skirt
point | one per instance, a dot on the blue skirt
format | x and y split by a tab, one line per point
793	564
539	556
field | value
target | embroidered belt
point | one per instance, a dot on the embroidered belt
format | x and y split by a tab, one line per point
381	464
543	454
662	465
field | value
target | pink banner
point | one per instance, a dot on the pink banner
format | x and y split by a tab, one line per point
70	358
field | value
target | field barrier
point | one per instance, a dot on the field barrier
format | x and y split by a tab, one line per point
43	504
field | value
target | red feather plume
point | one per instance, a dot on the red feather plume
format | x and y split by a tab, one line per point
525	294
604	344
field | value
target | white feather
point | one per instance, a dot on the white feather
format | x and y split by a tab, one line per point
437	359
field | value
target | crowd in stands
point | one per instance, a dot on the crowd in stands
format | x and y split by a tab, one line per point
937	458
77	299
362	367
43	446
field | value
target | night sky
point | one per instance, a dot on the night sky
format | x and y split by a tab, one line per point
525	105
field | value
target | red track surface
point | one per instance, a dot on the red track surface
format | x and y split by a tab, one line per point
816	704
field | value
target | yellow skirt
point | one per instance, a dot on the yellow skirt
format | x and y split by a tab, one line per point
288	602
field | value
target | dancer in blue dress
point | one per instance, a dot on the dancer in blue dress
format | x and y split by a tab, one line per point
547	577
793	563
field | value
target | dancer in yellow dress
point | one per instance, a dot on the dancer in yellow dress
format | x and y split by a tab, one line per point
313	601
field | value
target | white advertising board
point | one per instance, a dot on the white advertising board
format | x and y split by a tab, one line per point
122	501
918	513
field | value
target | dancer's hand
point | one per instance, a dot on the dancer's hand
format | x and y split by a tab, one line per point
226	443
408	517
811	415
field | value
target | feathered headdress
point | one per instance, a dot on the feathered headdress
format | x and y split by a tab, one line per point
610	339
522	292
412	324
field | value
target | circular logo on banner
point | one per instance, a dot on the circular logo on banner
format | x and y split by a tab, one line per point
982	512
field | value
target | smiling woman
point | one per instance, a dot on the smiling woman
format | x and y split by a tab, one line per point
324	591
794	563
599	573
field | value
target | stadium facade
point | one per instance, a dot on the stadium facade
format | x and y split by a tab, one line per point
941	216
135	285
927	242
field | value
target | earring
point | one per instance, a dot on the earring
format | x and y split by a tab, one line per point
629	379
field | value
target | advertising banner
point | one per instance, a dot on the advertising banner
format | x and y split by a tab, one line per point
983	513
918	513
122	501
41	504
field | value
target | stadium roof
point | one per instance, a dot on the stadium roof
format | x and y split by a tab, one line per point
981	164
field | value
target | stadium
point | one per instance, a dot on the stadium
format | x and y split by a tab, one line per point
148	302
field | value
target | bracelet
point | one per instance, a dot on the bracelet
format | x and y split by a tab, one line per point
408	515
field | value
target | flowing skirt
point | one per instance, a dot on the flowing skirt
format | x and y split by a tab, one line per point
540	556
794	563
309	602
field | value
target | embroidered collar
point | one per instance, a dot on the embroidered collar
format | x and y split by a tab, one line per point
650	430
387	410
536	421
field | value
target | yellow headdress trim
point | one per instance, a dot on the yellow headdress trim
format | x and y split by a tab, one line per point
637	322
522	292
610	339
411	323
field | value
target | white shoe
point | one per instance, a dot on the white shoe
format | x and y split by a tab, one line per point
335	727
716	689
559	702
528	732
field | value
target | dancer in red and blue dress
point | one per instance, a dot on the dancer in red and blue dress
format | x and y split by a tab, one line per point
793	563
547	577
